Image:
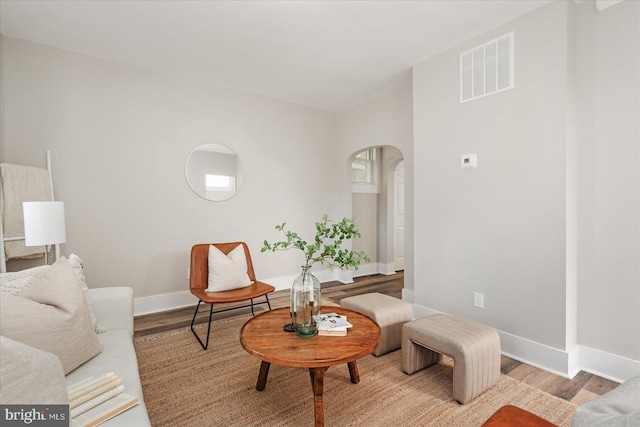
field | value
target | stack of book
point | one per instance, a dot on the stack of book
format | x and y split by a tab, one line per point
333	324
95	400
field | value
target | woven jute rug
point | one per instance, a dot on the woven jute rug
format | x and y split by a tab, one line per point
186	386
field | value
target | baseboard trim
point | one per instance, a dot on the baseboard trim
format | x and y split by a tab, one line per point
559	362
172	301
163	302
607	365
366	270
409	296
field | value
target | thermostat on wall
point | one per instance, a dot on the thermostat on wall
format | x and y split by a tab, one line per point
469	161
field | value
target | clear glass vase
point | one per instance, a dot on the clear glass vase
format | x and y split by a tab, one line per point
306	300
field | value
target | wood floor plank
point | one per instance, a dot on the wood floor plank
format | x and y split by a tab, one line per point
507	364
583	396
600	385
570	388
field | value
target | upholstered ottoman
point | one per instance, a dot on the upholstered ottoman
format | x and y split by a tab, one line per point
388	312
510	416
475	350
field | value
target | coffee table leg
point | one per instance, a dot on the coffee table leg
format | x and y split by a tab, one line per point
262	376
317	380
353	372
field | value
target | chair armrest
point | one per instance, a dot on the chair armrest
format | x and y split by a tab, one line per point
113	308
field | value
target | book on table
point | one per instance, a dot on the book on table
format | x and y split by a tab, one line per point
92	401
333	324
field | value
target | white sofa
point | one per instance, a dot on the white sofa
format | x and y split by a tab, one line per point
113	308
32	376
619	407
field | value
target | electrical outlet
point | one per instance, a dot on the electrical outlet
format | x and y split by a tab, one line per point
478	300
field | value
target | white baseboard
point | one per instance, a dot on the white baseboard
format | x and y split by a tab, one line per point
387	269
607	365
163	302
408	296
564	363
175	300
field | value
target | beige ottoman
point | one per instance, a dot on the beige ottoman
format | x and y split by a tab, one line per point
475	350
388	312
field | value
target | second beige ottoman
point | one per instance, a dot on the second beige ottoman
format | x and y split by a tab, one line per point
475	350
388	312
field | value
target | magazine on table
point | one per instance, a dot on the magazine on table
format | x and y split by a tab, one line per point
332	324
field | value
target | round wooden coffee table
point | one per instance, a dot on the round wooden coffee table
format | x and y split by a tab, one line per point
263	337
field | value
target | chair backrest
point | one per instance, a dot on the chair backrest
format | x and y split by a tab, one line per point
199	273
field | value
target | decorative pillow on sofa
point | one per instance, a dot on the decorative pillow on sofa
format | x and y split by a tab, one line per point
52	315
15	282
30	376
227	272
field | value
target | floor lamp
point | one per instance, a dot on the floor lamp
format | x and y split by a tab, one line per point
44	225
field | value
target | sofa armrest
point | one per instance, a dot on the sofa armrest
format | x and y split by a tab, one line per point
113	308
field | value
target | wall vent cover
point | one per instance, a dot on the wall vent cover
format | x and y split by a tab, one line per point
487	69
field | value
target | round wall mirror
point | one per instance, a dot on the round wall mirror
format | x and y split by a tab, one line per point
213	172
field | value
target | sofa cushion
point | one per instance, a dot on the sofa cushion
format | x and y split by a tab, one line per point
227	272
119	357
30	375
52	315
15	282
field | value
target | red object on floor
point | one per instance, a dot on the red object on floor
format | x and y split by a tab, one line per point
512	416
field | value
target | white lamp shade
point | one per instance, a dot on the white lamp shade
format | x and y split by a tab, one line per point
44	223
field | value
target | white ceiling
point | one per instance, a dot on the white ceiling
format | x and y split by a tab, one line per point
330	55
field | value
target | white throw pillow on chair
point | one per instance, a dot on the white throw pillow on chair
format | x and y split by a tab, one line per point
227	272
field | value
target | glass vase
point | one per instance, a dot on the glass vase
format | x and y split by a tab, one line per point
305	303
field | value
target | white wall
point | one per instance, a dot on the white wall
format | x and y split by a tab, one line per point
498	229
119	137
390	158
547	226
365	211
608	102
1	103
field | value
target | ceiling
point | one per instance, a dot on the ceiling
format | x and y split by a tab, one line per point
329	55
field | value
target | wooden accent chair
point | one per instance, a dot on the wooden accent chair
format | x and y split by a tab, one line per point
198	282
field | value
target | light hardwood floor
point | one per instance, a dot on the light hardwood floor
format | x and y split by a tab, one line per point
583	387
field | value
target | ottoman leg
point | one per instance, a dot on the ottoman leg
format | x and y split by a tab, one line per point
477	368
414	356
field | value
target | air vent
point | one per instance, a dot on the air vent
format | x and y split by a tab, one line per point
487	69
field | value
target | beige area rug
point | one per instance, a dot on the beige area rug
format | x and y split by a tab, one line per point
186	386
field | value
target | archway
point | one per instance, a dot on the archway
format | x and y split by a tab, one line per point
375	206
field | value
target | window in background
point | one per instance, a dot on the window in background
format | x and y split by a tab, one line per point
364	172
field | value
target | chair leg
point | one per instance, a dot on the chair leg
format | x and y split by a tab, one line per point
206	344
268	303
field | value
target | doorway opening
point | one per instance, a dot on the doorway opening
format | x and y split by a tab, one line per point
378	206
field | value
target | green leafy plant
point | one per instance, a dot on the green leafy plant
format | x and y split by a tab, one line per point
326	247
